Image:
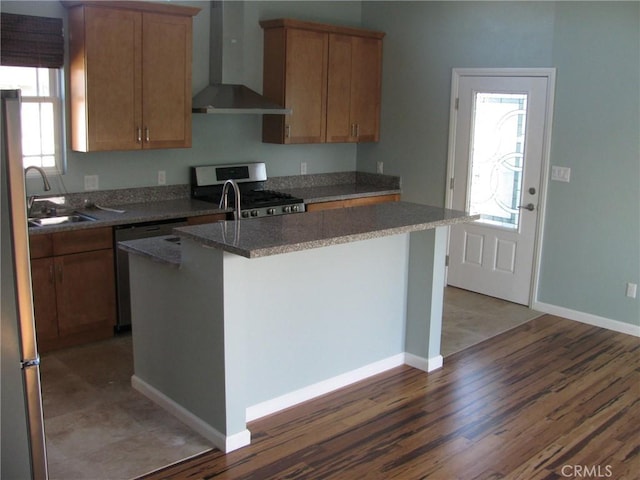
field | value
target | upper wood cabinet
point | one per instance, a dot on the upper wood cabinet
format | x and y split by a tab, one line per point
330	76
130	73
353	93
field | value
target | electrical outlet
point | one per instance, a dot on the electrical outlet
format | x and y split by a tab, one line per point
632	290
303	168
162	177
380	167
91	182
560	174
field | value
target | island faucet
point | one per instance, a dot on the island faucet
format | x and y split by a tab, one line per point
45	182
224	200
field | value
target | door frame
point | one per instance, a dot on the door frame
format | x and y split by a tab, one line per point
550	75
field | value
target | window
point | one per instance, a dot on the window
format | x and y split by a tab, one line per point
497	157
42	118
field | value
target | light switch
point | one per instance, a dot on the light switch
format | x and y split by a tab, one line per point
560	174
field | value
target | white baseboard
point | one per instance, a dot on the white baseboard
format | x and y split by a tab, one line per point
588	318
223	442
326	386
435	363
241	439
421	363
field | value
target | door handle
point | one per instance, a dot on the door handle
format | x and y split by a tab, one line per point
529	206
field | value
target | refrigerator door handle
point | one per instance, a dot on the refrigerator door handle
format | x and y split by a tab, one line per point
32	362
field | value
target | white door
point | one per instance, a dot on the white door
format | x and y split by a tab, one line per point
498	146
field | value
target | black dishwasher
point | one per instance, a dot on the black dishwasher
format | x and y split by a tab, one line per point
135	231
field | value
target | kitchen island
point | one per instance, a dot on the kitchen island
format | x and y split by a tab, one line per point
237	320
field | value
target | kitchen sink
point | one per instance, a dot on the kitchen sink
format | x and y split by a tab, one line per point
60	219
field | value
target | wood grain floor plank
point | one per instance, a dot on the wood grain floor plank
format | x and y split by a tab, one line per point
547	395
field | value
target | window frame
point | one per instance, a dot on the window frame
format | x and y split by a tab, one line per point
57	99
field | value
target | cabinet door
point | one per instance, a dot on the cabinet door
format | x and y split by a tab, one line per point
166	70
44	299
306	86
339	124
366	74
85	291
113	79
353	97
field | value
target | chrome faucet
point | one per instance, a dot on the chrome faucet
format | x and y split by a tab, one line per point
224	200
45	182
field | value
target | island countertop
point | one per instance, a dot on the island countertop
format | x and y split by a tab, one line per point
252	238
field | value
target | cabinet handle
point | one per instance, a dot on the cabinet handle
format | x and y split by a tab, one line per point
357	129
287	131
353	127
51	274
146	134
138	135
60	274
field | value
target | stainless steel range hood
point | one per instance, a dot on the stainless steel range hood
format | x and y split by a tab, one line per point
221	97
226	98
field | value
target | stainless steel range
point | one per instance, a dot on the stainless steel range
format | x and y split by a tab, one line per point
255	201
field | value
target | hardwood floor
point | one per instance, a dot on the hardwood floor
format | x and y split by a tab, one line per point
549	399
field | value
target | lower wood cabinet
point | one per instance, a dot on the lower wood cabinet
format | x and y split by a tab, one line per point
352	202
73	281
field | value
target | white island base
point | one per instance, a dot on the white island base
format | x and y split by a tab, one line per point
223	339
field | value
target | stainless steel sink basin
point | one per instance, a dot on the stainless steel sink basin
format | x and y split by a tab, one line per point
60	220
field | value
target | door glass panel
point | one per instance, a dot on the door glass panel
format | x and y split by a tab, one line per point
497	155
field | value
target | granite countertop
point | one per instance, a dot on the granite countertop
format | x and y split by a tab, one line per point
135	213
164	249
336	186
149	204
261	237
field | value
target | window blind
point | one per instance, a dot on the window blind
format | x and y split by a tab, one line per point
28	41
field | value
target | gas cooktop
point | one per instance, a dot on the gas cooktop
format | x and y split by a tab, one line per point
255	201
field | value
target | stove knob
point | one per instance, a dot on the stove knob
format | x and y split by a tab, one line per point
271	211
254	213
286	209
245	214
295	208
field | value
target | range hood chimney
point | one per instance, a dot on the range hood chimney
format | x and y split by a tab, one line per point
225	98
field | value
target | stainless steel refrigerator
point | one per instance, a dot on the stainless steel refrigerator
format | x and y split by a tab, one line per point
22	449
